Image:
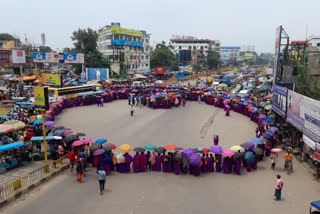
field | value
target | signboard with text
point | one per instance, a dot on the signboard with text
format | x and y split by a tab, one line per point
5	57
51	57
18	57
51	79
41	99
279	100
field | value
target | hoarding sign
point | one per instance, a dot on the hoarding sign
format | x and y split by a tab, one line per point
18	57
41	99
39	57
124	31
98	74
51	79
52	57
279	100
7	44
73	58
304	113
126	43
5	57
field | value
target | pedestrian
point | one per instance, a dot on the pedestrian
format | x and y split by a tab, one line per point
278	188
102	179
273	160
80	170
72	157
54	156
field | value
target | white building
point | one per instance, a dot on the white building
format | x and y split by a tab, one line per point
191	49
230	54
134	45
314	41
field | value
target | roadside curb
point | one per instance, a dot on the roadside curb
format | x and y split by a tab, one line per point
34	185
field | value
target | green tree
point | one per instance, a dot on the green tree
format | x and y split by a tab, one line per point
9	37
45	49
213	59
85	41
162	56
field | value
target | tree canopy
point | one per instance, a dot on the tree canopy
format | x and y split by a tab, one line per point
213	59
162	56
8	37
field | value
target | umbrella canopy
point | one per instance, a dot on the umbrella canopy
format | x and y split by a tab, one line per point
238	154
58	132
139	149
98	152
262	116
248	145
160	150
227	153
86	140
15	124
150	147
249	157
257	140
206	150
258	151
67	132
188	152
267	137
70	138
267	120
195	159
101	141
274	129
113	146
50	123
270	134
80	134
95	147
37	122
179	148
170	147
77	143
107	147
5	129
216	149
235	148
276	150
125	148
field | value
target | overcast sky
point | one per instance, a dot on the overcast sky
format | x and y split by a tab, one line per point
233	22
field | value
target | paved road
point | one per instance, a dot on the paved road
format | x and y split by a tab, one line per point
166	193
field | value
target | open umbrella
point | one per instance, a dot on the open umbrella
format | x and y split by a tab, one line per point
227	153
15	124
258	151
80	134
58	132
262	116
276	150
248	145
238	154
179	148
249	157
139	149
125	148
272	134
94	147
98	152
101	141
160	150
206	150
70	138
235	148
170	147
86	140
188	152
107	147
150	147
77	143
274	129
195	159
50	123
267	121
113	146
267	137
216	149
257	140
5	129
37	122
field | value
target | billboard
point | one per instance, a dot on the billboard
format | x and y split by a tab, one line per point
304	113
18	57
7	44
39	57
124	31
98	74
126	43
51	79
41	99
52	57
73	58
279	100
5	57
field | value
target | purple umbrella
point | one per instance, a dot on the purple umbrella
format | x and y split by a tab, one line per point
262	116
50	123
195	159
274	129
216	149
248	145
188	152
98	152
179	148
270	134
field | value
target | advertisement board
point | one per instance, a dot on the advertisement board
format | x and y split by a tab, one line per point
98	74
124	31
39	57
304	113
115	68
18	57
279	100
73	58
126	43
41	99
159	70
51	79
7	44
276	52
5	57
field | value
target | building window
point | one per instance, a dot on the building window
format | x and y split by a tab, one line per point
146	41
142	57
190	47
147	57
180	47
147	65
194	47
201	47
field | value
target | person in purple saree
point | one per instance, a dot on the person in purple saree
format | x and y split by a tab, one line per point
156	166
136	163
204	163
143	162
165	163
237	166
196	170
218	158
176	165
210	163
268	148
226	165
185	164
127	164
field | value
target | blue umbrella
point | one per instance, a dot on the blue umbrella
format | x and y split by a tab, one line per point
101	141
267	120
270	134
37	122
249	157
257	140
58	132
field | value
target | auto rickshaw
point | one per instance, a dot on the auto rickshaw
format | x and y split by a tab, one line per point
13	155
37	152
315	207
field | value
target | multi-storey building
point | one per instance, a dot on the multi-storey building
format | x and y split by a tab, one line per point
230	54
132	47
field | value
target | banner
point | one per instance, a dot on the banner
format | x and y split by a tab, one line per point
279	100
18	57
5	57
98	74
73	58
41	99
52	57
304	113
126	43
39	57
124	31
51	79
7	44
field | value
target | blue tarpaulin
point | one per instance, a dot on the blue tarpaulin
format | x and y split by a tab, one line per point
40	138
14	145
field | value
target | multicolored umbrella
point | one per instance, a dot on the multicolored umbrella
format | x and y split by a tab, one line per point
98	152
235	148
107	147
150	147
5	129
95	147
112	145
216	149
101	141
195	159
15	124
227	153
125	148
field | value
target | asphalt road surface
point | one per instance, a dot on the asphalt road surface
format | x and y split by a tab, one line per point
153	192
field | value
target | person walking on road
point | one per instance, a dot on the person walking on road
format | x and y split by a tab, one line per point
80	170
278	188
102	179
273	160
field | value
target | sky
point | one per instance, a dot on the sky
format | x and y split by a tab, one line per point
233	22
